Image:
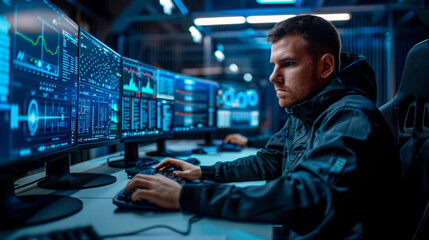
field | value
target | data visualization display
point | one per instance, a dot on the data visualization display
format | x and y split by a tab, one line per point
99	77
237	106
194	104
38	78
165	103
139	103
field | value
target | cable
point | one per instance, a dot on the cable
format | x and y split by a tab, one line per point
25	185
192	220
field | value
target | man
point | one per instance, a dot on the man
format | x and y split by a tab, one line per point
333	170
256	142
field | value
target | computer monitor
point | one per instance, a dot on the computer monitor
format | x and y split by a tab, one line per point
139	107
38	97
97	112
237	106
99	79
195	107
165	112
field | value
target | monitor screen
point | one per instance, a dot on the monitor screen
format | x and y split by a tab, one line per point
38	79
237	106
99	76
139	102
194	104
165	96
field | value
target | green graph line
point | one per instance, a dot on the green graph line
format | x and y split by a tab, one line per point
37	42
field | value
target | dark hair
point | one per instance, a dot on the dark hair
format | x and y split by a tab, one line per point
320	35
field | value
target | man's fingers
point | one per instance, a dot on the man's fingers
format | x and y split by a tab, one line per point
142	193
168	162
178	174
139	181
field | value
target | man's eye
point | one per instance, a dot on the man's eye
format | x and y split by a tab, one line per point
287	64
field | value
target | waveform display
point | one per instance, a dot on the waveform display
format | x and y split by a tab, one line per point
37	50
139	81
43	89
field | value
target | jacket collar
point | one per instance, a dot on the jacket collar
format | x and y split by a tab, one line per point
310	109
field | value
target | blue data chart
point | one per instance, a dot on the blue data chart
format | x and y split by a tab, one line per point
237	106
99	77
194	104
42	97
165	86
165	116
139	103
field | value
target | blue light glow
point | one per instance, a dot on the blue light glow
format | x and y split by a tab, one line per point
275	1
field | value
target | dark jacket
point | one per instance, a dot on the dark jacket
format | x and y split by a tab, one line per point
333	170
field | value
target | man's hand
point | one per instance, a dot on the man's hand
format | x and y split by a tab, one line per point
236	139
182	169
158	189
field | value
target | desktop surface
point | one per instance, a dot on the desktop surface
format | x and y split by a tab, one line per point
99	211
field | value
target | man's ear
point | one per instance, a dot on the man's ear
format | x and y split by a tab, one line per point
328	65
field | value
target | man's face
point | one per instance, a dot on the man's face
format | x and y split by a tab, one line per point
295	75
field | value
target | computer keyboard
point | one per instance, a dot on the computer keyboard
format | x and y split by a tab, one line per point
123	200
229	147
79	233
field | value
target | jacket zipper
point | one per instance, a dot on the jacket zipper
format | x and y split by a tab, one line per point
293	144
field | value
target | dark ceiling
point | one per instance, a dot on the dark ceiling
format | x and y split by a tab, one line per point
139	28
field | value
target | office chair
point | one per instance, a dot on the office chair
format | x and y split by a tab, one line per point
407	116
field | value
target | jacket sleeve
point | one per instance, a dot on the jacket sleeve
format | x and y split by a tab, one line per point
258	141
303	198
266	164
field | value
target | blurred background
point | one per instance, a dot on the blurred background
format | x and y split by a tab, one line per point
176	35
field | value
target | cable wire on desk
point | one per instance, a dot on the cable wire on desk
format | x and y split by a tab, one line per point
27	184
192	220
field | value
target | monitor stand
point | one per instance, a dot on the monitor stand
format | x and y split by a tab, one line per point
131	158
58	176
164	152
32	209
209	140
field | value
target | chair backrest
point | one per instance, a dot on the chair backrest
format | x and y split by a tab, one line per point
407	115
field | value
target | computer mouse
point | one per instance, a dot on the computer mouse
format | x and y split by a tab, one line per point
199	151
193	161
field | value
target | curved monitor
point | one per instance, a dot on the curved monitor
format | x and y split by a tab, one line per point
139	102
237	106
38	87
98	100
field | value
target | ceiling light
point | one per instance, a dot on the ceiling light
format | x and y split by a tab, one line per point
219	55
267	18
219	21
196	35
278	18
233	68
247	77
167	6
334	16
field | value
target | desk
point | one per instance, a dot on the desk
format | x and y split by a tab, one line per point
99	211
